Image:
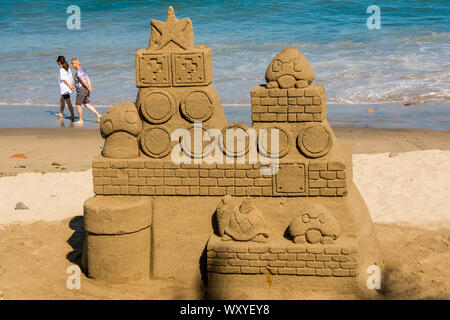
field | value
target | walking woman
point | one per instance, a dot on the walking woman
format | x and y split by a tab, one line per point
65	87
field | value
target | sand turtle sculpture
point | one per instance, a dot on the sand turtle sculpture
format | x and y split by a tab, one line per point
314	224
289	69
120	127
243	223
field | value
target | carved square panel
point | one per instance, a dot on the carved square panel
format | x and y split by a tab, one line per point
153	69
290	179
190	69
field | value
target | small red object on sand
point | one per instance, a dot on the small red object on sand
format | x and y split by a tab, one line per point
19	155
393	154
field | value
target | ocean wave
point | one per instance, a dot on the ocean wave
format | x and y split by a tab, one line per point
244	46
31	54
432	37
110	66
406	59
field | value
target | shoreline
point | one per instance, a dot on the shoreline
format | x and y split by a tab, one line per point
395	115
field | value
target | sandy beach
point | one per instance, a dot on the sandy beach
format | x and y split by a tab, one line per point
403	176
54	150
326	75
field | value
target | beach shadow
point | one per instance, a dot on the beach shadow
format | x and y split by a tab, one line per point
214	224
287	234
61	121
52	113
76	240
203	261
202	285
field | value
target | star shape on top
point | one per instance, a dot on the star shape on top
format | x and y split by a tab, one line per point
173	30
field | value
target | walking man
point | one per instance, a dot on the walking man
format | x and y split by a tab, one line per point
84	88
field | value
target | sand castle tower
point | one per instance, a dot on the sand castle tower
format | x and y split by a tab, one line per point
267	211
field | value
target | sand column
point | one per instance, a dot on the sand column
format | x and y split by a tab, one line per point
117	247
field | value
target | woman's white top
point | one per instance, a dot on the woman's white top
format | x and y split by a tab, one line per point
64	75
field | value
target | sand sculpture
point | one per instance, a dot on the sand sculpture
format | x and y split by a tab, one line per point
289	224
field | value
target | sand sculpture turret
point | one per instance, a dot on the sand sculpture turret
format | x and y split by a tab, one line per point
267	211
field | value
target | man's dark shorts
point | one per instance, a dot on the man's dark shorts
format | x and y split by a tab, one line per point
82	96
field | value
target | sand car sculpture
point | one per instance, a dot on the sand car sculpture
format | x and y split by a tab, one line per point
291	214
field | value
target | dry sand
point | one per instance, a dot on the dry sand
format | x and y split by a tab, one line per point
411	188
74	149
407	192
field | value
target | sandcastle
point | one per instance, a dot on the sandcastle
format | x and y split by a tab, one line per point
267	211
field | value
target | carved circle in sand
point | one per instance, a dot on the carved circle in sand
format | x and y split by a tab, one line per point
240	146
157	106
194	145
265	142
314	141
131	117
155	142
197	106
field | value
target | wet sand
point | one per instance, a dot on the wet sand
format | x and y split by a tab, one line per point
397	115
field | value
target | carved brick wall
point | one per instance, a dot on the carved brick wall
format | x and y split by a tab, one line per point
292	259
141	177
327	179
288	105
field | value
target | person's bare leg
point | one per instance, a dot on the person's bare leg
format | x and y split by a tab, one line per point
69	105
99	116
80	114
61	122
61	109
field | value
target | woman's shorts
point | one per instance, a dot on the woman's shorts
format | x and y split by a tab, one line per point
66	96
82	96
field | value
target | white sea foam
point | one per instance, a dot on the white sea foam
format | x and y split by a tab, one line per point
404	60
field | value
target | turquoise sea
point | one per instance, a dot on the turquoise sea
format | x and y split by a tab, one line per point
406	59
